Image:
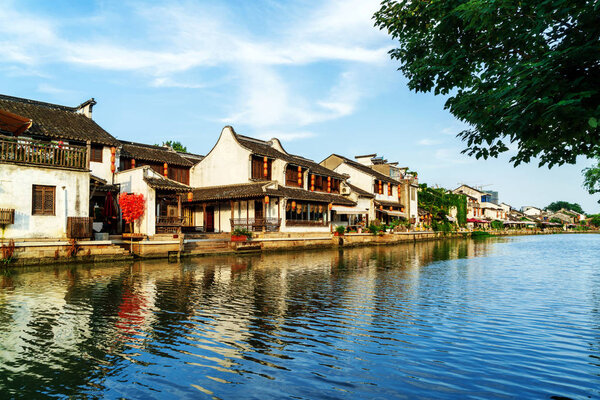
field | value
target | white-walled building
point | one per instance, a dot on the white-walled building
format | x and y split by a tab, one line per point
256	185
48	156
391	198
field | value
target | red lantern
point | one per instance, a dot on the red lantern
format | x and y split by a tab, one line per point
391	208
190	196
265	166
166	170
329	185
112	159
312	183
266	199
132	163
293	204
299	176
380	187
330	206
389	189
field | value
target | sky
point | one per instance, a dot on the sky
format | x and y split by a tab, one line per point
315	74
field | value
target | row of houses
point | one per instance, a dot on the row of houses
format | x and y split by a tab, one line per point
60	172
483	208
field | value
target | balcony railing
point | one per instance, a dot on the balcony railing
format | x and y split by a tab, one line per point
28	151
256	224
300	222
168	224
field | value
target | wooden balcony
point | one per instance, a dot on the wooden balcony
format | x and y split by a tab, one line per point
7	216
300	222
26	151
169	224
256	224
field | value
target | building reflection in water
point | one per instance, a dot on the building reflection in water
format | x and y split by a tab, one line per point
85	324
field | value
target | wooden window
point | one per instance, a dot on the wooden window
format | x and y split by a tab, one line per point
291	176
258	165
96	154
335	185
44	199
179	174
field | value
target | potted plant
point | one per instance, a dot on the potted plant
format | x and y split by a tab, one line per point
240	235
339	230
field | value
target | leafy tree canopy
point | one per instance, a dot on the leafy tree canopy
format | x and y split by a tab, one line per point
523	72
557	205
176	145
591	178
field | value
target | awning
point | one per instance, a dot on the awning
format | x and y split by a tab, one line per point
477	221
393	213
14	123
349	210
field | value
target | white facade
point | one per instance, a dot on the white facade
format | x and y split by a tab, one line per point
531	211
72	189
132	181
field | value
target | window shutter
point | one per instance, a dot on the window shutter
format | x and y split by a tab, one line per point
37	200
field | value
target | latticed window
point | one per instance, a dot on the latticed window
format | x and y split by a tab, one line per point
43	200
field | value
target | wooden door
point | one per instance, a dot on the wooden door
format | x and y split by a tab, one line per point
188	216
258	210
209	217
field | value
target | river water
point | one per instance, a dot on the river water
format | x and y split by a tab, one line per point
492	318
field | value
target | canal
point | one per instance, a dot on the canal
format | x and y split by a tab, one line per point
489	318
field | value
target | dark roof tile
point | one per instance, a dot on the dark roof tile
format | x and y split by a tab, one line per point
160	154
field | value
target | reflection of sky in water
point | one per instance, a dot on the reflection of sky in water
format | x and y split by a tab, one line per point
481	318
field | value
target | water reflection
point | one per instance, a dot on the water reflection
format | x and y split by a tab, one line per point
482	318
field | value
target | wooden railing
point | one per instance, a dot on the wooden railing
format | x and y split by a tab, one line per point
299	222
256	224
168	224
28	151
79	227
7	216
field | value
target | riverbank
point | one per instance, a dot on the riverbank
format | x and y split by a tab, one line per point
31	252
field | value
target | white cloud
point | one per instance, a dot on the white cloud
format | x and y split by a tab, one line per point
428	142
286	136
162	43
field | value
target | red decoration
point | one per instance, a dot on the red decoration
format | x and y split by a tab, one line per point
132	163
132	206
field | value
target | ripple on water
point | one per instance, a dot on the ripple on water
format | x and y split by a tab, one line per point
507	318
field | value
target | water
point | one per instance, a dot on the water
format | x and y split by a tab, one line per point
495	318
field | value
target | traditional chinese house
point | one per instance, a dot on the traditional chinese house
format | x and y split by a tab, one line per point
389	195
256	185
51	158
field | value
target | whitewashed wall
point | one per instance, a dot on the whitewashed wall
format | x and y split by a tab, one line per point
132	181
102	170
227	163
16	192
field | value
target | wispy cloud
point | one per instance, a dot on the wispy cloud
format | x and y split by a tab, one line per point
286	136
428	142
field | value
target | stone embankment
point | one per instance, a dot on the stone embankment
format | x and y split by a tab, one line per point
62	251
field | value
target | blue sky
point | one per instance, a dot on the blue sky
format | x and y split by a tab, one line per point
316	74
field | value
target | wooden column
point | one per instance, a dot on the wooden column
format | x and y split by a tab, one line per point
179	210
248	213
219	205
264	206
231	205
88	152
204	216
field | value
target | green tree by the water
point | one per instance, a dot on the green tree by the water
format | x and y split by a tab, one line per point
591	178
525	73
557	205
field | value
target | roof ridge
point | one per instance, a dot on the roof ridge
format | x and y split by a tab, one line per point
39	103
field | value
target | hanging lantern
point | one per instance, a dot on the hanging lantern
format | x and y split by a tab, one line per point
190	196
132	163
320	208
299	176
401	209
165	170
391	208
299	209
381	207
293	204
389	189
112	159
329	185
265	166
266	199
330	206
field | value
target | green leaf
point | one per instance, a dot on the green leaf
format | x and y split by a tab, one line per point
593	122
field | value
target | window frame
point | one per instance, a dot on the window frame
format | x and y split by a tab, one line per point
94	152
43	190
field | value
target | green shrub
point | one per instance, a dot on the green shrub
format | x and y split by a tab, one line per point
242	232
340	229
497	224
